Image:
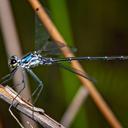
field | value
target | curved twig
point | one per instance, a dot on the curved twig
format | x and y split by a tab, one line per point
36	114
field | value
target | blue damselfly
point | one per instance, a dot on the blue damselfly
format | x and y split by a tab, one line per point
38	57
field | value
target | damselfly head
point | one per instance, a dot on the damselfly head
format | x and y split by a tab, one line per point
13	62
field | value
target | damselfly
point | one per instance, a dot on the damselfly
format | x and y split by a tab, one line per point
36	58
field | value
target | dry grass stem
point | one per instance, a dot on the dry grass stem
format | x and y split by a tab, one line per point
74	107
36	114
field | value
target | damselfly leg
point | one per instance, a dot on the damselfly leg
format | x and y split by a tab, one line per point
39	88
37	91
13	101
8	77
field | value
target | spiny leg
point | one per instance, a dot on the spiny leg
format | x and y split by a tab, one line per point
12	104
40	85
15	118
5	79
8	77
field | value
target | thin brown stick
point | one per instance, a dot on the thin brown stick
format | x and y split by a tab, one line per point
36	114
96	96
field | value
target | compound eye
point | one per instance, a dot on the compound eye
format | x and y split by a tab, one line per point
13	61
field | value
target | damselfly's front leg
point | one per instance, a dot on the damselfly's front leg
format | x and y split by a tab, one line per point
12	104
8	77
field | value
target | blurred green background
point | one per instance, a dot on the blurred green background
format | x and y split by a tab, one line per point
95	28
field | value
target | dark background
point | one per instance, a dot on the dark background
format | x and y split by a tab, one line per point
95	28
